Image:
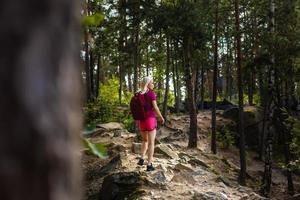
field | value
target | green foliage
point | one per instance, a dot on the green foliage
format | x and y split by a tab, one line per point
93	20
97	149
295	144
256	99
171	99
106	108
225	137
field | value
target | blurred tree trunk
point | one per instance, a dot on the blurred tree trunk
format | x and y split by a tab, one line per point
40	108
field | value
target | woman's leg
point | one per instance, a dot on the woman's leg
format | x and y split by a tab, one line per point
151	140
144	143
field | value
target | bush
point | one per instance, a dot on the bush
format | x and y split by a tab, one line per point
106	108
225	137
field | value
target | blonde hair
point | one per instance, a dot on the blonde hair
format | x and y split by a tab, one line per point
146	80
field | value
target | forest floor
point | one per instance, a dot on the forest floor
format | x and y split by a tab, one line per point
181	173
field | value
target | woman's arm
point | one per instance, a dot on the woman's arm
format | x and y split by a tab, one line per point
162	120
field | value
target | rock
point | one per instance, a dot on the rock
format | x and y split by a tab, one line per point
157	141
184	159
223	180
136	148
252	119
244	189
295	197
118	133
209	196
92	133
183	167
165	150
163	176
122	185
112	165
253	196
198	162
184	178
111	126
114	148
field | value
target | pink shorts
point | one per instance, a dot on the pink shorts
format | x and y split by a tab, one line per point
148	124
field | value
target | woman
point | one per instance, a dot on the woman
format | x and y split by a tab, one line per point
148	126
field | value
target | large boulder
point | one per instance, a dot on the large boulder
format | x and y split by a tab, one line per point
220	105
166	151
209	196
252	119
92	132
122	185
113	164
111	126
136	147
253	196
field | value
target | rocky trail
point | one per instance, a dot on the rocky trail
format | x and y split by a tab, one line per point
181	173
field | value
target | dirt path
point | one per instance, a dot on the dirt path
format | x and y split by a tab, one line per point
183	176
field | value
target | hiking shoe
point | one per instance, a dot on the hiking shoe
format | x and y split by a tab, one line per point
141	161
150	168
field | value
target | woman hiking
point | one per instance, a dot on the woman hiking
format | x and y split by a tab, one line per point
148	126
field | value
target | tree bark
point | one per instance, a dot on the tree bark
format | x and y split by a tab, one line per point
165	105
92	75
40	117
213	117
174	78
178	88
98	76
87	60
136	25
197	86
267	176
202	88
187	42
242	175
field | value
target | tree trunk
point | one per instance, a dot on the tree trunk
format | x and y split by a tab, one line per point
202	88
190	92
98	76
287	141
87	61
130	86
121	67
136	31
147	61
197	86
92	75
178	88
251	87
213	117
242	175
267	177
165	106
87	66
40	118
174	78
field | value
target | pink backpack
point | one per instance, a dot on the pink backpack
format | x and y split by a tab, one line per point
138	106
